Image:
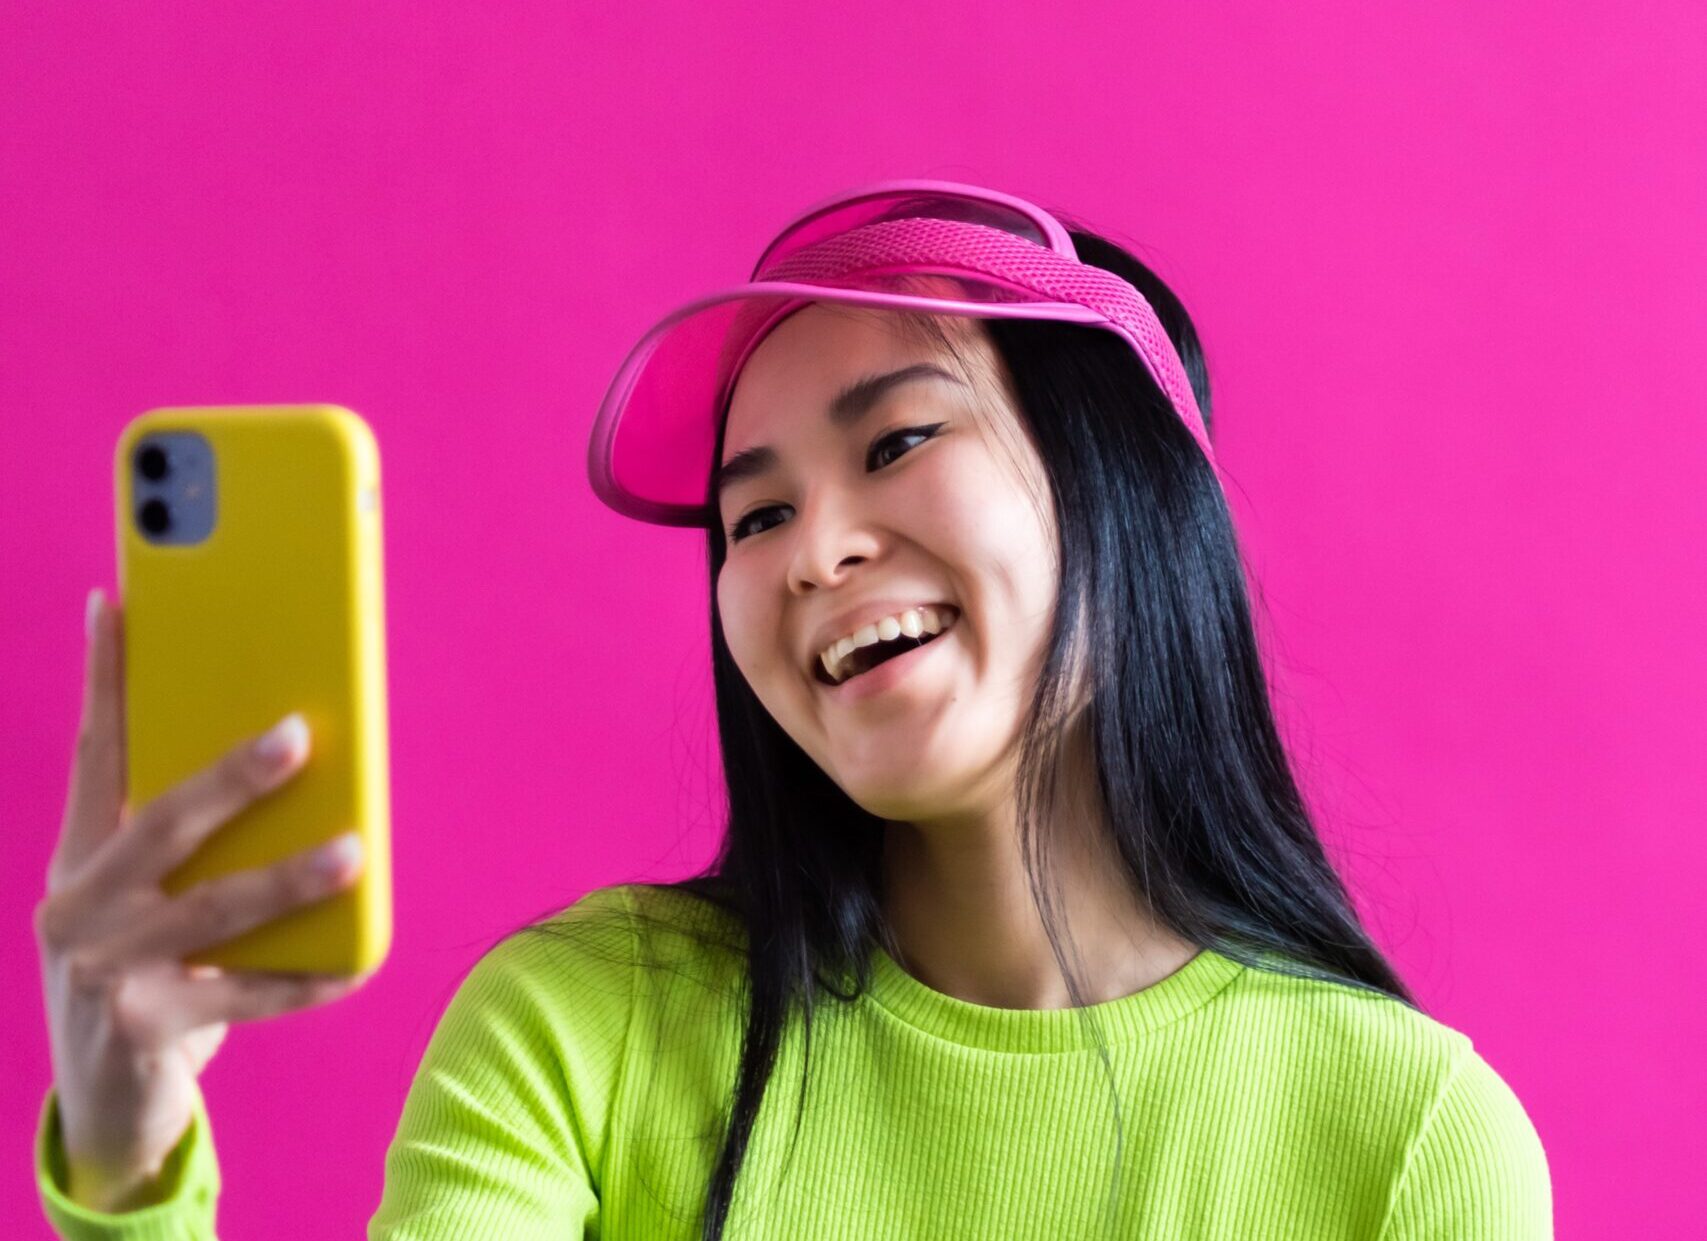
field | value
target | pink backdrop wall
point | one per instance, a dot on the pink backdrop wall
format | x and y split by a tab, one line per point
1448	263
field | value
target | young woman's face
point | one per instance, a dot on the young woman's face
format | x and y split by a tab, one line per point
929	494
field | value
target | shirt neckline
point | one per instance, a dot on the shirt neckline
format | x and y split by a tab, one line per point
1030	1030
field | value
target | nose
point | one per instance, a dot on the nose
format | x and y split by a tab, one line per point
831	536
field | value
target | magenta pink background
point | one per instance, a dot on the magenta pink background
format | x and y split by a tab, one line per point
1448	264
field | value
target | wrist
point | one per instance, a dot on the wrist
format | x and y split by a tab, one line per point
113	1184
109	1191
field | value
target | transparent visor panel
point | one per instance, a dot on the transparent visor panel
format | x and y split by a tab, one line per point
663	446
900	207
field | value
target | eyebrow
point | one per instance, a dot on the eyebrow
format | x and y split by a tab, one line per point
850	405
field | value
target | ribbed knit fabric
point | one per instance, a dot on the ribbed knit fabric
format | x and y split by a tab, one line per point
577	1085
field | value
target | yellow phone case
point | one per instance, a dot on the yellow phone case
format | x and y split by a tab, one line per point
279	608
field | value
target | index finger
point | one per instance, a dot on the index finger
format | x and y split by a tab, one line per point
95	799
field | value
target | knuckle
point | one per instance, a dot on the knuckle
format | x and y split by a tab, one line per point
278	887
257	996
132	1007
88	745
307	991
206	906
298	882
88	971
51	922
239	777
163	823
264	998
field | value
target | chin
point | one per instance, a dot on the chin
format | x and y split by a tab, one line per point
902	774
901	795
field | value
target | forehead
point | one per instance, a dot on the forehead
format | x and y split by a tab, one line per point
813	354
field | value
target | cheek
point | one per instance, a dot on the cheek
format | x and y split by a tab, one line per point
1001	545
985	525
749	631
948	508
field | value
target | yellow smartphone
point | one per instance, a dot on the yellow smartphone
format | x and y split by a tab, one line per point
251	575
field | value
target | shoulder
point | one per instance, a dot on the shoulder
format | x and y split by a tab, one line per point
560	981
589	942
1464	1157
1476	1166
598	950
1352	1042
512	1106
543	1021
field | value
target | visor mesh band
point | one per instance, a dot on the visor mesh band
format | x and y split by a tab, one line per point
977	249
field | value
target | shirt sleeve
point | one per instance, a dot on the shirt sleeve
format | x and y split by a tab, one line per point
505	1127
190	1188
1477	1170
507	1121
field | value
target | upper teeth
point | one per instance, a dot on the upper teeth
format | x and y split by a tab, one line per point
912	622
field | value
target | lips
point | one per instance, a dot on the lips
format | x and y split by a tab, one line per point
886	677
874	610
897	647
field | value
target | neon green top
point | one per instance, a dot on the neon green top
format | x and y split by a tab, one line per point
574	1089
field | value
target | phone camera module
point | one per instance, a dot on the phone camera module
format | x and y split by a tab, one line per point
152	463
172	486
155	517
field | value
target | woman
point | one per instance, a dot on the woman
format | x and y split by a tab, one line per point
1020	927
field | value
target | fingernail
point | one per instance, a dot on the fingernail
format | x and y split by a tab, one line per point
285	739
339	854
91	609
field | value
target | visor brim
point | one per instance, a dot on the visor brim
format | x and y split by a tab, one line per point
650	454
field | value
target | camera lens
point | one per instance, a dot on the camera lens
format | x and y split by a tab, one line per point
152	462
155	517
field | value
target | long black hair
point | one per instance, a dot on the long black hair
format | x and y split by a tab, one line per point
1196	790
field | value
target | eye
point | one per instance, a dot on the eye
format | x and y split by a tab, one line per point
740	529
884	441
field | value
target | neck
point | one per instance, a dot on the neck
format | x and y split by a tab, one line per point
957	896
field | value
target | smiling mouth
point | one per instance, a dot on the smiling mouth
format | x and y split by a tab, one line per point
868	657
864	658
